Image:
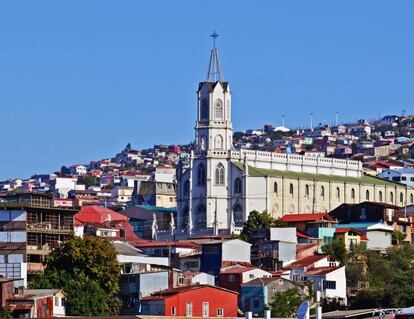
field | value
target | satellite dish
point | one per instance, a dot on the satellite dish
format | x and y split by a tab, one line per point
303	310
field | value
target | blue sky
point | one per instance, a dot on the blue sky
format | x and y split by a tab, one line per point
80	79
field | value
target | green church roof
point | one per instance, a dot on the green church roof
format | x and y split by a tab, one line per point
366	179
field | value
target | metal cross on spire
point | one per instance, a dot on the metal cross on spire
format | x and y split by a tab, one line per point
214	73
214	36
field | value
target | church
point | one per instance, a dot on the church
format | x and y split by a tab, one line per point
222	185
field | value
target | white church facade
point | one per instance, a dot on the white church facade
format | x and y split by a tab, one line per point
221	185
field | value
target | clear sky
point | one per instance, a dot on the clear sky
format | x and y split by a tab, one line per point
81	79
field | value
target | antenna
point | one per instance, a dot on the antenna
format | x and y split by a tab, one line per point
283	120
337	118
311	121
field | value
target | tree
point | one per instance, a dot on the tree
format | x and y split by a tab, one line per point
256	220
285	304
398	237
88	271
90	181
336	250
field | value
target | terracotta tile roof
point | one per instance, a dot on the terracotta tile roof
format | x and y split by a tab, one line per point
168	243
306	217
99	215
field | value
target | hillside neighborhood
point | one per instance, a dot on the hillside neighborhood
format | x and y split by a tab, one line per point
130	201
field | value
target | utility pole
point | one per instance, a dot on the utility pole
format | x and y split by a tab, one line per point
215	228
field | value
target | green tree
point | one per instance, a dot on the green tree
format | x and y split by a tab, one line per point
398	237
256	220
285	304
87	269
336	250
89	180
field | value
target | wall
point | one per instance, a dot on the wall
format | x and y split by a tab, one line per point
378	240
236	250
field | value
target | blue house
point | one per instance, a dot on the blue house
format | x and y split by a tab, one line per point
258	293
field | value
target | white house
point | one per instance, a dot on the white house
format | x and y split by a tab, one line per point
78	170
379	237
402	175
329	281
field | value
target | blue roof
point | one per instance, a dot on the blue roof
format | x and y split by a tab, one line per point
159	209
357	225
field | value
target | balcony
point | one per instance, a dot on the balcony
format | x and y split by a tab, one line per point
45	227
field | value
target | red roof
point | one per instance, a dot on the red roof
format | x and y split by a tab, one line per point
305	262
99	215
345	230
181	244
170	292
302	235
306	217
321	271
237	270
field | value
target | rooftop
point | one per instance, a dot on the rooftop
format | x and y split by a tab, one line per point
306	217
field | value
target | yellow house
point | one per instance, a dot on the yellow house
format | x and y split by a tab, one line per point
350	237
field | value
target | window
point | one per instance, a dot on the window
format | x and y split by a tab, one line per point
201	175
396	178
307	190
412	179
275	187
353	193
189	309
403	178
232	277
256	302
220	174
218	142
391	197
367	195
204	110
251	276
237	186
380	196
291	189
338	193
205	309
218	109
181	280
220	312
411	198
173	311
401	197
322	192
329	284
57	302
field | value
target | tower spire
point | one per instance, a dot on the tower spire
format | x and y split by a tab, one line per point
214	73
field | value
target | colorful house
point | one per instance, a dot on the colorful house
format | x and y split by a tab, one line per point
232	277
192	301
350	237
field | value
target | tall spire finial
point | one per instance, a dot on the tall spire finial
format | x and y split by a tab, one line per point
214	36
214	73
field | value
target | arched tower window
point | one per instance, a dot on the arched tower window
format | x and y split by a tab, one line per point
401	198
237	186
411	198
352	193
204	110
219	110
307	190
391	197
201	216
218	142
322	192
275	187
201	175
220	174
291	189
338	193
367	195
380	196
185	214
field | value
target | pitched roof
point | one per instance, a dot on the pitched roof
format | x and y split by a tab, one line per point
237	270
306	217
180	244
99	215
346	230
175	291
320	271
305	262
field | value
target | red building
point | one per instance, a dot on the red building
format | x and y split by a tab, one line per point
192	301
